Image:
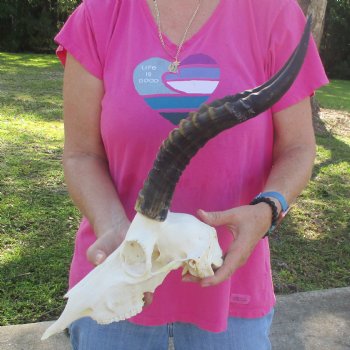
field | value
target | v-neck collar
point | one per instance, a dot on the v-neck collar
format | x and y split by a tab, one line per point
202	30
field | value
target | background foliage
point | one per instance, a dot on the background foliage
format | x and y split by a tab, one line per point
30	25
335	46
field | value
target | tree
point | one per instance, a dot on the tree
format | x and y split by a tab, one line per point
316	8
30	25
335	47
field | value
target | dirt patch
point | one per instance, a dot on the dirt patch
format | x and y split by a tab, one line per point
334	122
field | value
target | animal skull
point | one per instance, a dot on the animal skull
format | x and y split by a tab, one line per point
114	290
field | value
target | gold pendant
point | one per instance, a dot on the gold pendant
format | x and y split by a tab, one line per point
173	66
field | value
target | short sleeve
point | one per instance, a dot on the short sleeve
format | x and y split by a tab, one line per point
286	32
85	34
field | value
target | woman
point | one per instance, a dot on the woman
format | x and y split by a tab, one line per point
133	70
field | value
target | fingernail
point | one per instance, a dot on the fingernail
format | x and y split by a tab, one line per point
99	257
205	283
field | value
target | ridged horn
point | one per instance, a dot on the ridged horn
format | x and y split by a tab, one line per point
198	128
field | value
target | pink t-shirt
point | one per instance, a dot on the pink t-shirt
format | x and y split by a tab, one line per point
240	47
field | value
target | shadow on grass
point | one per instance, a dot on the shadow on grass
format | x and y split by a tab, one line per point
335	95
340	151
31	86
37	218
25	60
37	227
302	263
311	249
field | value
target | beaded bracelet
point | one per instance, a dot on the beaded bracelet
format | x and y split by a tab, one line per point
273	207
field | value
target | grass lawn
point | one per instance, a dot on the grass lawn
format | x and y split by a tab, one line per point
38	221
336	95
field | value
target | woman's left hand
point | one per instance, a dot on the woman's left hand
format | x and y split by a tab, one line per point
248	224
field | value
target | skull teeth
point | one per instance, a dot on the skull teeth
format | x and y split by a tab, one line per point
123	317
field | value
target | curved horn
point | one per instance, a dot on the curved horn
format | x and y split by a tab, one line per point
196	130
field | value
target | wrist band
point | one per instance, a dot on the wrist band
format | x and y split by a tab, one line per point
279	197
271	203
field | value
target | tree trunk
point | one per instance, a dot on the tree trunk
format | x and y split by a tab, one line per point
317	9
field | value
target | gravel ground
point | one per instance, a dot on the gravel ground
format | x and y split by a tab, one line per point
332	121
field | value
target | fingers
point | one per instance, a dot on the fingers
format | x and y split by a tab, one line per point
236	257
147	298
103	246
247	224
233	260
216	218
96	255
231	263
190	278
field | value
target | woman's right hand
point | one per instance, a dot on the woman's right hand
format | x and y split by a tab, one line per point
106	244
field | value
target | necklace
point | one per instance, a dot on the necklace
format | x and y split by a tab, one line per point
175	64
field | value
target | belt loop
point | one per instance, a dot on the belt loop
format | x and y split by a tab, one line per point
171	330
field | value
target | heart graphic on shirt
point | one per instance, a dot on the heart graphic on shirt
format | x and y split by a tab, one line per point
174	95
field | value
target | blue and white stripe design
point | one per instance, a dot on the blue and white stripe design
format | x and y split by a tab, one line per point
173	95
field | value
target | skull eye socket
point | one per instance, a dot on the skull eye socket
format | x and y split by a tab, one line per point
134	259
155	253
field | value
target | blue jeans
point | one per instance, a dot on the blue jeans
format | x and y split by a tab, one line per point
241	334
